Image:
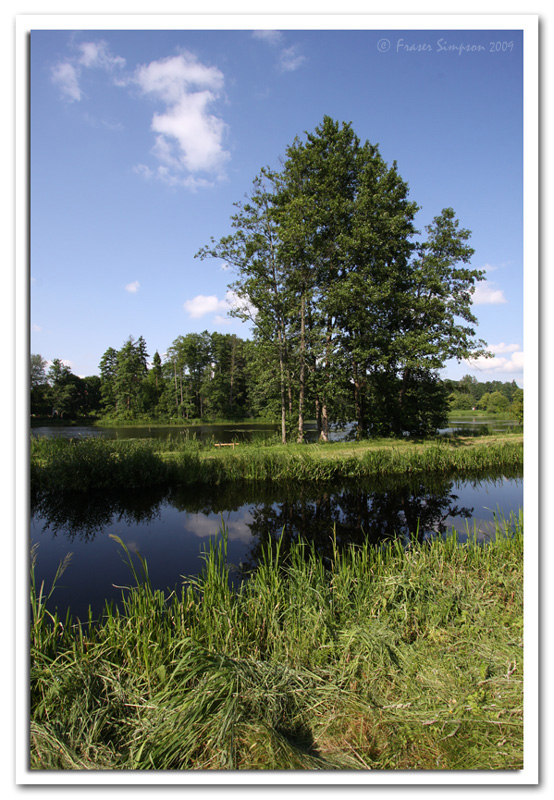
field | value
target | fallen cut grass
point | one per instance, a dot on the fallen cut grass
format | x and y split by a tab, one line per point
380	658
82	465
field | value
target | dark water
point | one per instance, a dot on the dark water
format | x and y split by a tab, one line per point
474	423
229	432
241	431
170	527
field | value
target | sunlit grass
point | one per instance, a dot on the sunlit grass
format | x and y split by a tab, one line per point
381	658
81	465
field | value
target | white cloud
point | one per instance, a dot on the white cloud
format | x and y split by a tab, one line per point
36	328
170	78
504	348
486	294
204	526
146	172
290	59
241	304
66	77
270	36
132	287
221	320
66	74
188	135
189	138
512	365
203	304
97	54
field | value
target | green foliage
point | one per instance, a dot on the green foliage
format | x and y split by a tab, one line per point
38	370
61	394
130	372
470	393
39	387
460	401
417	403
498	403
261	290
333	280
517	405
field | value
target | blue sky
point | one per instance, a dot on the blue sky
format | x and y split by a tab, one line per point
142	140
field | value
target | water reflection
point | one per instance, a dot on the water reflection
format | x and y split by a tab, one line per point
83	516
168	525
374	512
375	509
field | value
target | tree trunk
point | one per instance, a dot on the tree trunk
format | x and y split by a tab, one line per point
318	417
324	435
289	393
233	347
301	394
324	411
282	388
358	403
406	377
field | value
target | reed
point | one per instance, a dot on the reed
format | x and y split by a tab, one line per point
92	463
381	658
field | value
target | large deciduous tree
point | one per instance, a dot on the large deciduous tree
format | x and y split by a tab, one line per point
432	322
348	225
316	205
360	314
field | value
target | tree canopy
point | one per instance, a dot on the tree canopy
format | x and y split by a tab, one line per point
357	311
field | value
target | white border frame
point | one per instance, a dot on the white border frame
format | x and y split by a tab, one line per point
529	25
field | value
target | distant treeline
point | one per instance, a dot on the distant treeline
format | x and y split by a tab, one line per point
213	376
493	396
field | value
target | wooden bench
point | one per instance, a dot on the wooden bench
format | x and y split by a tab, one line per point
226	444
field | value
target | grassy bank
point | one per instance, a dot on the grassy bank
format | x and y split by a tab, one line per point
82	465
379	659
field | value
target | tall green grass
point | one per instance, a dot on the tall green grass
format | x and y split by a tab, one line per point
389	658
93	463
82	465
